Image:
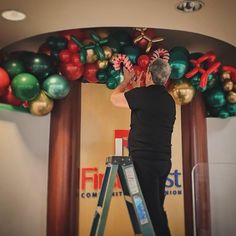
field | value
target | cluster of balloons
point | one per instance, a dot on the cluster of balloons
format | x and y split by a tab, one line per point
34	80
30	80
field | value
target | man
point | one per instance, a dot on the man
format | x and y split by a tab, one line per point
152	120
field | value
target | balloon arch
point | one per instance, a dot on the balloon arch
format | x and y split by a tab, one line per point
31	81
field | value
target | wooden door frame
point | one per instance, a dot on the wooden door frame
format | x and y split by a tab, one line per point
64	150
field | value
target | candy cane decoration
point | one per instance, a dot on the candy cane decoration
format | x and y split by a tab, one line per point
122	59
160	53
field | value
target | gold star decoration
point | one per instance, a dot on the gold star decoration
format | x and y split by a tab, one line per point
146	37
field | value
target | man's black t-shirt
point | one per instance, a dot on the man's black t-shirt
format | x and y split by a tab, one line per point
152	120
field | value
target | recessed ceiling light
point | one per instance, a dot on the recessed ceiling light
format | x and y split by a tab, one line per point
190	5
13	15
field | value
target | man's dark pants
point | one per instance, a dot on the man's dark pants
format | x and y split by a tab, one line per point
152	178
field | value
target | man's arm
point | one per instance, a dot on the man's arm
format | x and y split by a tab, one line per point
118	95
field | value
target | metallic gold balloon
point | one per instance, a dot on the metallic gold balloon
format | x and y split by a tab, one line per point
41	105
102	64
113	57
102	33
225	75
228	85
107	51
91	56
234	88
231	97
88	41
182	93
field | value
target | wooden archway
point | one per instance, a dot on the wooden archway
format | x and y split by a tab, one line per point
64	150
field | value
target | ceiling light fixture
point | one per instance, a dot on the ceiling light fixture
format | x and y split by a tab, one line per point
13	15
190	5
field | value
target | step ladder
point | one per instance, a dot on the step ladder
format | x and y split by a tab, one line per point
123	166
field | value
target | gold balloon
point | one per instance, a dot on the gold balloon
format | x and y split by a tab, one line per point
113	57
231	97
228	85
225	75
107	51
182	93
91	56
102	64
41	105
234	88
102	33
88	41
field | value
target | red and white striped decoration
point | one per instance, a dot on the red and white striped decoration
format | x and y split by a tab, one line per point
122	58
160	53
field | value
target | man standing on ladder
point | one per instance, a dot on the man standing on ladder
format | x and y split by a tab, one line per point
152	120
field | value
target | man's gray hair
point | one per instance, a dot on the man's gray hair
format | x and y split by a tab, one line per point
160	71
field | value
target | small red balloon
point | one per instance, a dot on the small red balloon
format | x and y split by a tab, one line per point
90	73
4	81
67	33
72	47
75	59
45	49
72	71
143	61
9	98
65	56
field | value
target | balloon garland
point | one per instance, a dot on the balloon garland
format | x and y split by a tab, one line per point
31	81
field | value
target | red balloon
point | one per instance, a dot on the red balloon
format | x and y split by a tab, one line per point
138	70
65	56
45	49
90	72
72	71
75	59
143	61
4	81
67	33
72	46
9	98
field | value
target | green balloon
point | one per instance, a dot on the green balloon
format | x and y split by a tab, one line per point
123	37
25	86
112	83
114	45
132	52
215	98
40	65
231	108
56	87
178	62
102	76
14	67
178	68
223	114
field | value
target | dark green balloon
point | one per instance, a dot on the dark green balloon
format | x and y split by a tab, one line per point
111	83
102	76
56	87
231	108
215	98
132	52
178	68
179	62
223	114
14	67
123	37
40	65
114	45
25	86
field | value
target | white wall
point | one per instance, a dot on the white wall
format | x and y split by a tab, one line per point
222	168
23	174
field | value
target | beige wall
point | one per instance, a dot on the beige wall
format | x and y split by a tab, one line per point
23	174
99	120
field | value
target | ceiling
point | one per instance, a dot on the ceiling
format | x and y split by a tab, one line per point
214	23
